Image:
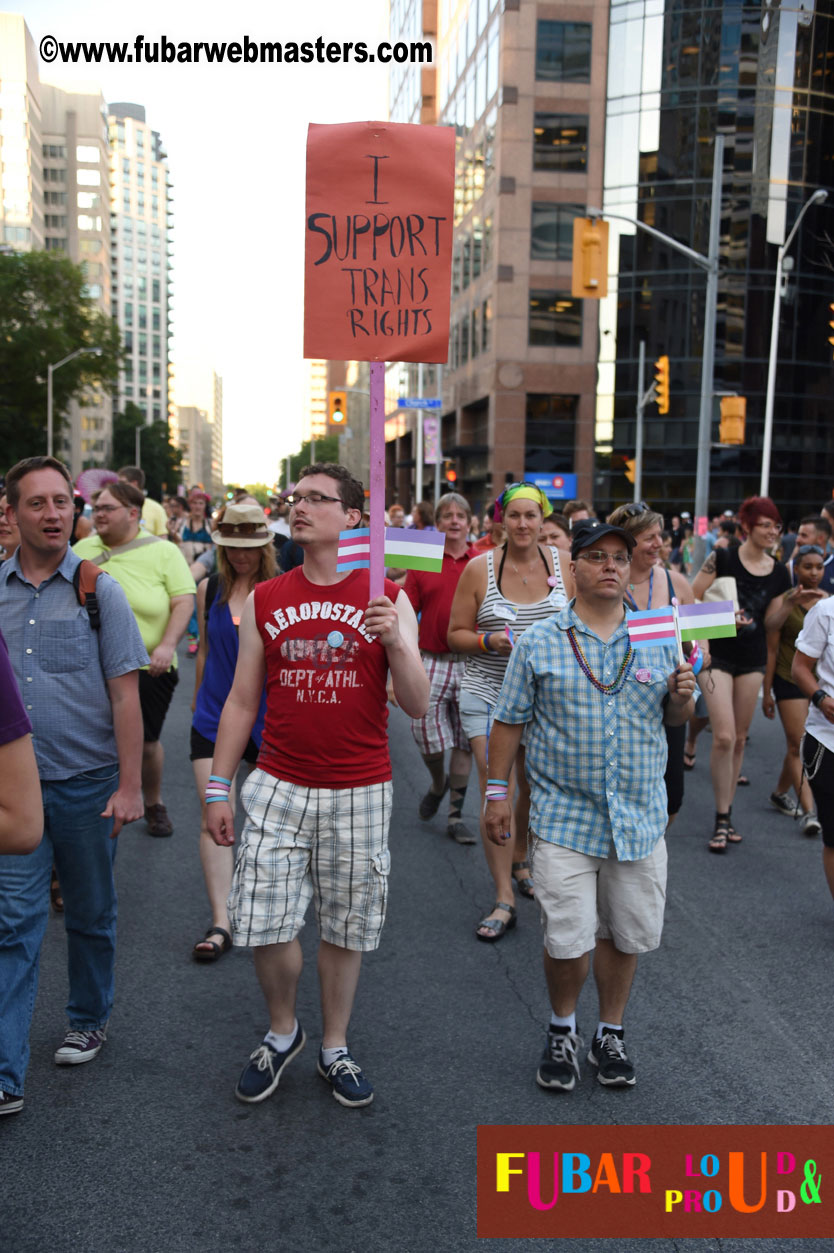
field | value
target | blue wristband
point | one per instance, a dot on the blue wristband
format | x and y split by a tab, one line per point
218	778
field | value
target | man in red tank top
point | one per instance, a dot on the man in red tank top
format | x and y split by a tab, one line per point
318	805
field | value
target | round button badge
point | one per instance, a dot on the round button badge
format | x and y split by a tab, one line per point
335	639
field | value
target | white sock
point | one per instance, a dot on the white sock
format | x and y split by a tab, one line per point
602	1027
281	1042
569	1022
328	1056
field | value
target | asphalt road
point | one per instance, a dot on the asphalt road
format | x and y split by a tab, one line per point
147	1149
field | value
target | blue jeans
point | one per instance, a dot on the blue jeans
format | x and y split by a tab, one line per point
78	839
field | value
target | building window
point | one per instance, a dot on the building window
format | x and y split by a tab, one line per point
88	223
560	142
55	221
55	197
551	232
155	290
555	319
129	314
88	200
55	151
563	52
550	433
88	178
88	154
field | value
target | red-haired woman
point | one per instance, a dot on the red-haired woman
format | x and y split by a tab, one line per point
738	662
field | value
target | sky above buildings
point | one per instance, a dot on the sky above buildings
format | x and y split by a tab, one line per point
235	137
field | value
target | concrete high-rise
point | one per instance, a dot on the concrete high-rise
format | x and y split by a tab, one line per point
523	85
140	236
21	163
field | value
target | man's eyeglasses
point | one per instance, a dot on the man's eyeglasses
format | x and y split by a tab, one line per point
804	549
107	508
600	558
311	498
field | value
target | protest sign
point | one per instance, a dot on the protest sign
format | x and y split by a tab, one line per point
378	242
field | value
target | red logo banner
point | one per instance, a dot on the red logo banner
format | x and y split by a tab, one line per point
648	1181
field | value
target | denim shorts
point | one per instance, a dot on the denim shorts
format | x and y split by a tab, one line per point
475	715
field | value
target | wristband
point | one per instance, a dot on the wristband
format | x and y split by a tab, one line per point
218	778
819	696
482	642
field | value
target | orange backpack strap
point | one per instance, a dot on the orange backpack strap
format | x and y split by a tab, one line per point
84	581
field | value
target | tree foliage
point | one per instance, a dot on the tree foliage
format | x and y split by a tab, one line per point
45	316
327	449
157	455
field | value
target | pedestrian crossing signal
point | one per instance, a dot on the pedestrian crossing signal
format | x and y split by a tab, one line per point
630	470
336	410
831	324
733	417
589	276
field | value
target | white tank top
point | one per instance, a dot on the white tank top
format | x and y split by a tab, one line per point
484	672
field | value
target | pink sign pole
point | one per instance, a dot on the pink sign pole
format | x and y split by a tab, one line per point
377	479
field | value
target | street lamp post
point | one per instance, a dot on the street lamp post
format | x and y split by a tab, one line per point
817	198
50	370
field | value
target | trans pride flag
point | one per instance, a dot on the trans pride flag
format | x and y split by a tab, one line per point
651	626
404	550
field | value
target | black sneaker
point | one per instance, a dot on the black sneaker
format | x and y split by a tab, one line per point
430	803
10	1104
559	1066
263	1071
782	802
350	1087
608	1054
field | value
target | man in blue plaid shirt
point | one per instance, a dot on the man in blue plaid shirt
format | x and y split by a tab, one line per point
596	753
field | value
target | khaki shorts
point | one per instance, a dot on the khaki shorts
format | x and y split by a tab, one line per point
301	844
583	899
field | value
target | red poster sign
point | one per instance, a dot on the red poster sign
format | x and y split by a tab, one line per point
378	242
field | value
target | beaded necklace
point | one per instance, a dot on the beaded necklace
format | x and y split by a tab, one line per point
610	689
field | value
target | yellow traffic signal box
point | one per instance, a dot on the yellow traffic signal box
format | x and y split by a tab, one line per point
336	411
661	382
733	416
590	258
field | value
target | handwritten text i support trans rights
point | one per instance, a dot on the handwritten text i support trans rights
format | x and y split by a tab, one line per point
378	248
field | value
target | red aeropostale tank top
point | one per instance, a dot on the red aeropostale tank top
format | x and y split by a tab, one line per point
326	706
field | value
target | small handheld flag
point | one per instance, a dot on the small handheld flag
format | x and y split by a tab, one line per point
404	550
711	620
651	626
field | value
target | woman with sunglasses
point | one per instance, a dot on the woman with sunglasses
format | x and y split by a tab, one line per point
652	587
500	594
738	662
245	557
783	625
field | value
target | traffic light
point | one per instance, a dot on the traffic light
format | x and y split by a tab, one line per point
831	324
630	468
449	471
661	382
336	411
590	258
733	414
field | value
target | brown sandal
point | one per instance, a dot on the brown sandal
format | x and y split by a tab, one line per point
55	894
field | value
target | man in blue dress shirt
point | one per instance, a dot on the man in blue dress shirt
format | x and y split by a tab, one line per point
596	753
80	690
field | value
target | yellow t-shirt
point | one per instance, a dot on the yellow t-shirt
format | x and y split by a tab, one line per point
149	575
154	517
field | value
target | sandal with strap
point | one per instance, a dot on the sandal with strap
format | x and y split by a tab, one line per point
496	926
55	893
733	836
718	843
525	886
213	952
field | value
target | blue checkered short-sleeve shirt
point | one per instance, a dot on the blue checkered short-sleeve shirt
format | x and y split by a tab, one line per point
595	761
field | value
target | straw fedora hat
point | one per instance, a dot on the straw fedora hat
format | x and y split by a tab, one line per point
242	526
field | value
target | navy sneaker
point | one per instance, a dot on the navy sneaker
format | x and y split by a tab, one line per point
614	1066
559	1066
79	1046
10	1104
350	1087
262	1073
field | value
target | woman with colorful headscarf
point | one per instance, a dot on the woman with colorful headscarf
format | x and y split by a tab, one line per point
499	595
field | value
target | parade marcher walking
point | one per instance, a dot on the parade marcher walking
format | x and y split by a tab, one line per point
245	557
500	594
90	783
160	591
595	757
318	805
440	727
813	673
